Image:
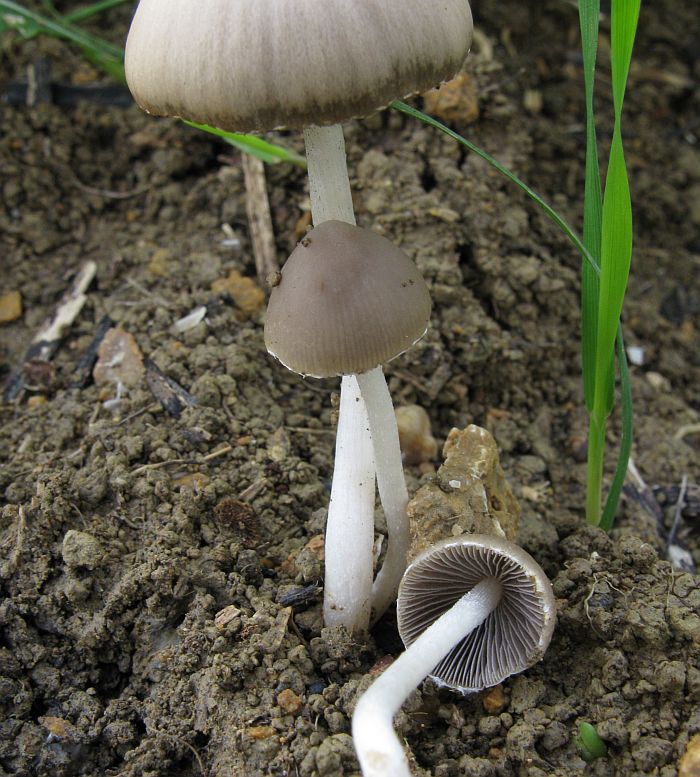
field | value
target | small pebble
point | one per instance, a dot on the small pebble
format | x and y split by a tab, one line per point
289	702
455	101
10	307
689	765
415	438
119	360
81	549
245	292
260	732
494	700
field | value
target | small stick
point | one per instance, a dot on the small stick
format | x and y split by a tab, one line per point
189	462
16	554
680	504
257	208
168	392
83	372
48	338
683	431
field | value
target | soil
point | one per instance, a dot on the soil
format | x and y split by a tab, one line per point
161	576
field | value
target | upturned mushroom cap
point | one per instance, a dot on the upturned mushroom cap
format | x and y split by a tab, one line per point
513	637
260	64
348	300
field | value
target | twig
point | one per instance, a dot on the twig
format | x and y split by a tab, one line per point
190	462
147	409
219	452
686	430
171	395
680	504
139	287
308	430
83	371
257	208
13	561
48	338
183	742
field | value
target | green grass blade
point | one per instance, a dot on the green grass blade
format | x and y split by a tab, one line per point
616	230
255	146
626	396
29	24
80	14
543	204
623	457
615	259
589	13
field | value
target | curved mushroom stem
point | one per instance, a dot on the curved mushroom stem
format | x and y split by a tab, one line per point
378	748
391	484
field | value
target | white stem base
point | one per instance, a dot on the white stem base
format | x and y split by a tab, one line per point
350	526
379	750
391	484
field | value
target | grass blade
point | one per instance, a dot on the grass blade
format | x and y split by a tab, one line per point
589	14
590	261
531	193
608	518
80	14
29	24
615	254
253	145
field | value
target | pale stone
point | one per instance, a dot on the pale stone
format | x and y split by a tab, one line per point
415	438
119	360
10	307
470	494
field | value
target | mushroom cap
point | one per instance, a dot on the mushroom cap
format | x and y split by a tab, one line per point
261	64
513	637
348	300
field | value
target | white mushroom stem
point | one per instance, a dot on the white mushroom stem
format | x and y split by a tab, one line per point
347	596
379	750
391	484
331	198
329	185
350	526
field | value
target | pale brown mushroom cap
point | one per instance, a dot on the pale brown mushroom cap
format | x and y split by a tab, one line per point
260	64
348	300
513	637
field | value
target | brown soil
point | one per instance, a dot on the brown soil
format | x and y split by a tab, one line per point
118	655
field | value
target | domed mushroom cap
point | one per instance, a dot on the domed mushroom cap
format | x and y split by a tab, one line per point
348	300
259	64
513	637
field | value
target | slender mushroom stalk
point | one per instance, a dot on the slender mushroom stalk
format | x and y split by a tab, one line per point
347	592
391	484
203	61
472	611
378	749
329	185
331	199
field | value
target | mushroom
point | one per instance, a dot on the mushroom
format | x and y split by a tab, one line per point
243	65
472	610
350	300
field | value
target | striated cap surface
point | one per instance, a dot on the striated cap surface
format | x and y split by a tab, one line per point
348	300
260	64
